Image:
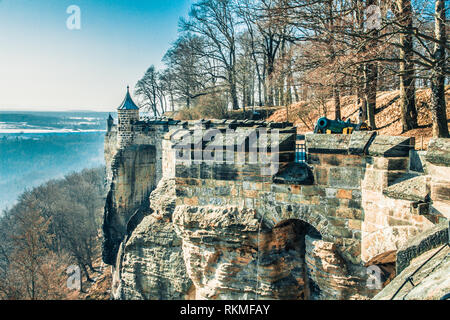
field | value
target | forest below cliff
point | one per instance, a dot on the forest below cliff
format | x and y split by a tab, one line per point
52	227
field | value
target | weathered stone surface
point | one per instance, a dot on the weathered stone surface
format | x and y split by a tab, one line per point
431	278
133	178
426	241
413	189
327	143
345	177
440	192
418	161
360	141
388	146
227	256
439	152
151	264
329	278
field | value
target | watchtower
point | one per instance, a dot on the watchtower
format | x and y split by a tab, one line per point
128	113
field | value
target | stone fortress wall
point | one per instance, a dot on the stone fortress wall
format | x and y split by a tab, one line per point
203	218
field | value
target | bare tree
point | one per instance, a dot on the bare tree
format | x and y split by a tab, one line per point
34	272
215	21
149	91
186	63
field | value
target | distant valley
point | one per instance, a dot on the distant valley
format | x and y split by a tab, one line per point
39	146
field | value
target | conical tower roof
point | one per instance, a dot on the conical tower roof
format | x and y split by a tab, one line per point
128	103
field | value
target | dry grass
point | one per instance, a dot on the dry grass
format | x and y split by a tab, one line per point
304	115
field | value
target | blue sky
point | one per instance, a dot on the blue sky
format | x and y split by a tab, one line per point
46	66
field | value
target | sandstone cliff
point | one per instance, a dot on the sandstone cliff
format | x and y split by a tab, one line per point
211	229
150	262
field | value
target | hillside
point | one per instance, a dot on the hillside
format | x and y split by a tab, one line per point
304	114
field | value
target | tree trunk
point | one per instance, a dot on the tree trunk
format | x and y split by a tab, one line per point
337	103
172	101
360	71
244	98
438	107
260	92
270	80
233	90
296	95
371	81
370	92
407	73
360	99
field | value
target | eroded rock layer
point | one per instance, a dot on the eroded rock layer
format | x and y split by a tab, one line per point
150	263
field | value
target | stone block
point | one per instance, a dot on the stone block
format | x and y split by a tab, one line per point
308	191
413	189
349	213
397	163
333	203
341	160
339	232
321	175
389	146
425	241
344	177
327	143
205	171
338	222
344	194
234	191
250	193
286	142
191	201
439	174
330	192
187	171
356	194
439	152
360	141
440	192
354	224
374	180
394	222
279	188
222	191
224	172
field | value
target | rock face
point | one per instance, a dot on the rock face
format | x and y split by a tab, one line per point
150	263
230	255
132	179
